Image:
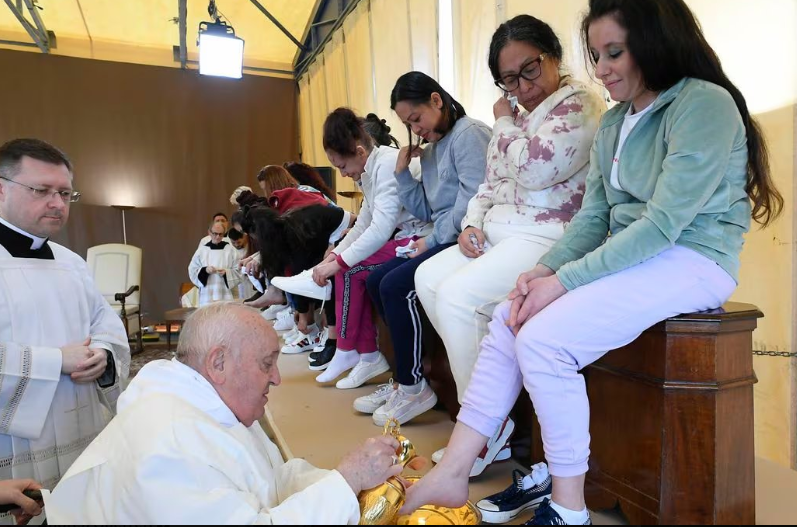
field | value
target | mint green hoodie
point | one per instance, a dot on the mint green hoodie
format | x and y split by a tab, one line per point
683	168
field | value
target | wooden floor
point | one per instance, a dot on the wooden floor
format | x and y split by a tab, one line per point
318	423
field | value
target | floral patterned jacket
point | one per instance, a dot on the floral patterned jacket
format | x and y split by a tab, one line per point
537	164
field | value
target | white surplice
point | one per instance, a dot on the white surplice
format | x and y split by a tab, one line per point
176	454
216	289
46	419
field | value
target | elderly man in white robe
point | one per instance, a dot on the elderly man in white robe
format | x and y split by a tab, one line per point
213	267
63	351
186	446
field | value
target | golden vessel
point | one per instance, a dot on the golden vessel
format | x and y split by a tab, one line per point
380	505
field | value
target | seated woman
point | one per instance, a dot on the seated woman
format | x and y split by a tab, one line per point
673	171
537	165
382	226
308	176
452	168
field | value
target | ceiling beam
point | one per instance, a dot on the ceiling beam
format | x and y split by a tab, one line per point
277	23
39	33
182	15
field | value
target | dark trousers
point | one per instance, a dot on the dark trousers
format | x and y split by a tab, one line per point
392	289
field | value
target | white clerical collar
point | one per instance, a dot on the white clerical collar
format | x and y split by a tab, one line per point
36	241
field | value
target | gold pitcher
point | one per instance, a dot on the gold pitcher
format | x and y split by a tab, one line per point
380	505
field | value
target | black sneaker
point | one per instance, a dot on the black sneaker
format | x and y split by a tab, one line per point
507	504
545	515
324	357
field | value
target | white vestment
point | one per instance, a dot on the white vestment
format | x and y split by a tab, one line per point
176	454
46	419
216	289
245	288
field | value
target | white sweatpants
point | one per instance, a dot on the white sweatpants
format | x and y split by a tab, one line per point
452	286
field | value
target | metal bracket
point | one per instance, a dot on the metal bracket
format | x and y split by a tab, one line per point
38	33
182	15
276	23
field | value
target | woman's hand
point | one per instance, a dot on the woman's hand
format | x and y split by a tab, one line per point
542	292
503	108
323	271
466	243
420	247
403	161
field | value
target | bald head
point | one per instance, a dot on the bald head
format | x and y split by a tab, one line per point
236	350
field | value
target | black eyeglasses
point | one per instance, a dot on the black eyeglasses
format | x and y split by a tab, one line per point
530	72
67	196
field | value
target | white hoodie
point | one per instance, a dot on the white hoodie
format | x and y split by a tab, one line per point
381	213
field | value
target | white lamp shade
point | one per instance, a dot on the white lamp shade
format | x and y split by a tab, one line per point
221	56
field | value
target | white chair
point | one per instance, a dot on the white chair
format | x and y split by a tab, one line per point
116	269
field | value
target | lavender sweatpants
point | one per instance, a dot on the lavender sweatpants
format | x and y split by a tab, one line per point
573	332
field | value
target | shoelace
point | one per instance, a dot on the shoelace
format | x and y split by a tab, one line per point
512	490
545	515
383	389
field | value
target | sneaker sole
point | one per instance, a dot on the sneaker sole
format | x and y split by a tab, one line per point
367	409
384	369
425	407
319	368
494	450
506	516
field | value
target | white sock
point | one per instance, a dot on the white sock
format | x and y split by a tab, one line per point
370	357
342	361
571	517
413	390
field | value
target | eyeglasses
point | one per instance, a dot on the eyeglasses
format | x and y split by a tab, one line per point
67	196
530	72
217	234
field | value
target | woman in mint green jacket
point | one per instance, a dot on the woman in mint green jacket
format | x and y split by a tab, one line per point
674	170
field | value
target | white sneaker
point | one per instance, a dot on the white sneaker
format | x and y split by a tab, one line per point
363	372
306	343
496	449
302	284
272	312
368	404
321	345
403	406
284	320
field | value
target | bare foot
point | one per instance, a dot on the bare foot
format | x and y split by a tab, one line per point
272	296
438	487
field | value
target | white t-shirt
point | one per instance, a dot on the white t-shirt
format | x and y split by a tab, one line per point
630	121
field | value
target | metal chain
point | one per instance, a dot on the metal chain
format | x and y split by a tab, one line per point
784	354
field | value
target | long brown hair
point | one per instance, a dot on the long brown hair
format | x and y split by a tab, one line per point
667	44
275	177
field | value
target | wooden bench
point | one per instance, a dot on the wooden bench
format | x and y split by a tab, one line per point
671	419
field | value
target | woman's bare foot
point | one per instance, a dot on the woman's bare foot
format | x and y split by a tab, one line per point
272	296
438	487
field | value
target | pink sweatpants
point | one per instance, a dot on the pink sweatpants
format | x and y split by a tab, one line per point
573	332
356	328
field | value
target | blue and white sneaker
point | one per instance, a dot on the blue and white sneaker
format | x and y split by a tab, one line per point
546	515
527	491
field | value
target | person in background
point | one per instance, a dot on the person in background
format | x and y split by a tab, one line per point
221	218
308	176
213	268
677	170
245	290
